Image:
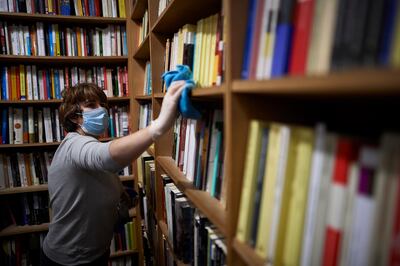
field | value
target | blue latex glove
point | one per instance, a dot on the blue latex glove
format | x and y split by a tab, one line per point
185	106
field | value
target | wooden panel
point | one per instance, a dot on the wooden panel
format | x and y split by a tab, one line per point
122	253
371	82
202	200
143	51
56	101
157	52
32	145
248	254
214	91
63	60
90	20
139	8
17	190
181	12
126	178
18	230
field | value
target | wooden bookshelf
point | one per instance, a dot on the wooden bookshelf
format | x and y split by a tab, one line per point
60	19
164	230
26	229
122	253
57	101
144	98
17	190
126	178
202	200
247	254
143	51
31	145
63	60
139	7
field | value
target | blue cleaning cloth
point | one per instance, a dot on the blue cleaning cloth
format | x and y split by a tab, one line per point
185	106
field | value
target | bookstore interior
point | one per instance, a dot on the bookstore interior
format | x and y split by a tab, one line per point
285	149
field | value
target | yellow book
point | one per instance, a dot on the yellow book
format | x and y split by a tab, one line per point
56	32
202	56
211	51
268	191
249	179
53	91
180	47
78	41
395	52
122	12
298	197
283	217
204	59
197	51
13	84
50	6
22	83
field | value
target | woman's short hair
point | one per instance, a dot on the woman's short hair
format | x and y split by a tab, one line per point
73	97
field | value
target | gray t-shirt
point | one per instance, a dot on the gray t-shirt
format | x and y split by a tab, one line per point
84	192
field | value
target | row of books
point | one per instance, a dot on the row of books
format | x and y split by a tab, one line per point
147	88
124	238
162	4
312	197
24	169
41	125
193	239
130	260
144	27
25	209
201	48
21	249
39	39
104	8
31	82
318	36
30	125
198	150
145	115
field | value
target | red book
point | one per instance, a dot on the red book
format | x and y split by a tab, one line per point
97	7
303	19
337	202
86	9
182	140
46	94
395	248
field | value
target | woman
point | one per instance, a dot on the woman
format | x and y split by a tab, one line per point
83	186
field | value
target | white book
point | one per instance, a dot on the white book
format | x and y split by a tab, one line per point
119	48
18	125
113	40
186	149
40	38
192	151
22	169
35	88
82	75
15	40
9	172
83	48
40	126
261	58
313	193
58	127
267	68
35	179
29	82
320	225
178	137
117	123
41	85
4	6
31	126
2	174
21	42
47	125
7	40
109	82
68	42
61	76
114	12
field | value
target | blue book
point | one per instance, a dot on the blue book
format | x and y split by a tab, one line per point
51	50
4	126
65	8
92	11
48	84
283	43
57	84
124	45
217	165
4	84
28	43
251	18
387	31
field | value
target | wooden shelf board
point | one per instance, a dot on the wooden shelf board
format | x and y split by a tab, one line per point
62	60
126	178
138	9
31	145
143	97
159	95
26	102
367	82
164	229
18	230
19	17
150	151
181	12
213	91
248	254
118	99
202	200
122	253
143	51
17	190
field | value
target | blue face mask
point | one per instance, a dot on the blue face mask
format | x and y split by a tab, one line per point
95	121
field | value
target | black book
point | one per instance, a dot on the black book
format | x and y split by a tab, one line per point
187	238
15	170
338	43
175	194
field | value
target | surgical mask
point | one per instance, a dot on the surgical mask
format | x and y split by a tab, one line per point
95	121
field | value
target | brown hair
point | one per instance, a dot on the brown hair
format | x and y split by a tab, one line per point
73	97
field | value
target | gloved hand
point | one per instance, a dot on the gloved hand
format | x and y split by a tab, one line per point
168	111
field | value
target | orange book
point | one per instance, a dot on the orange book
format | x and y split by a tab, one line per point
17	83
22	82
53	90
13	94
78	41
32	33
